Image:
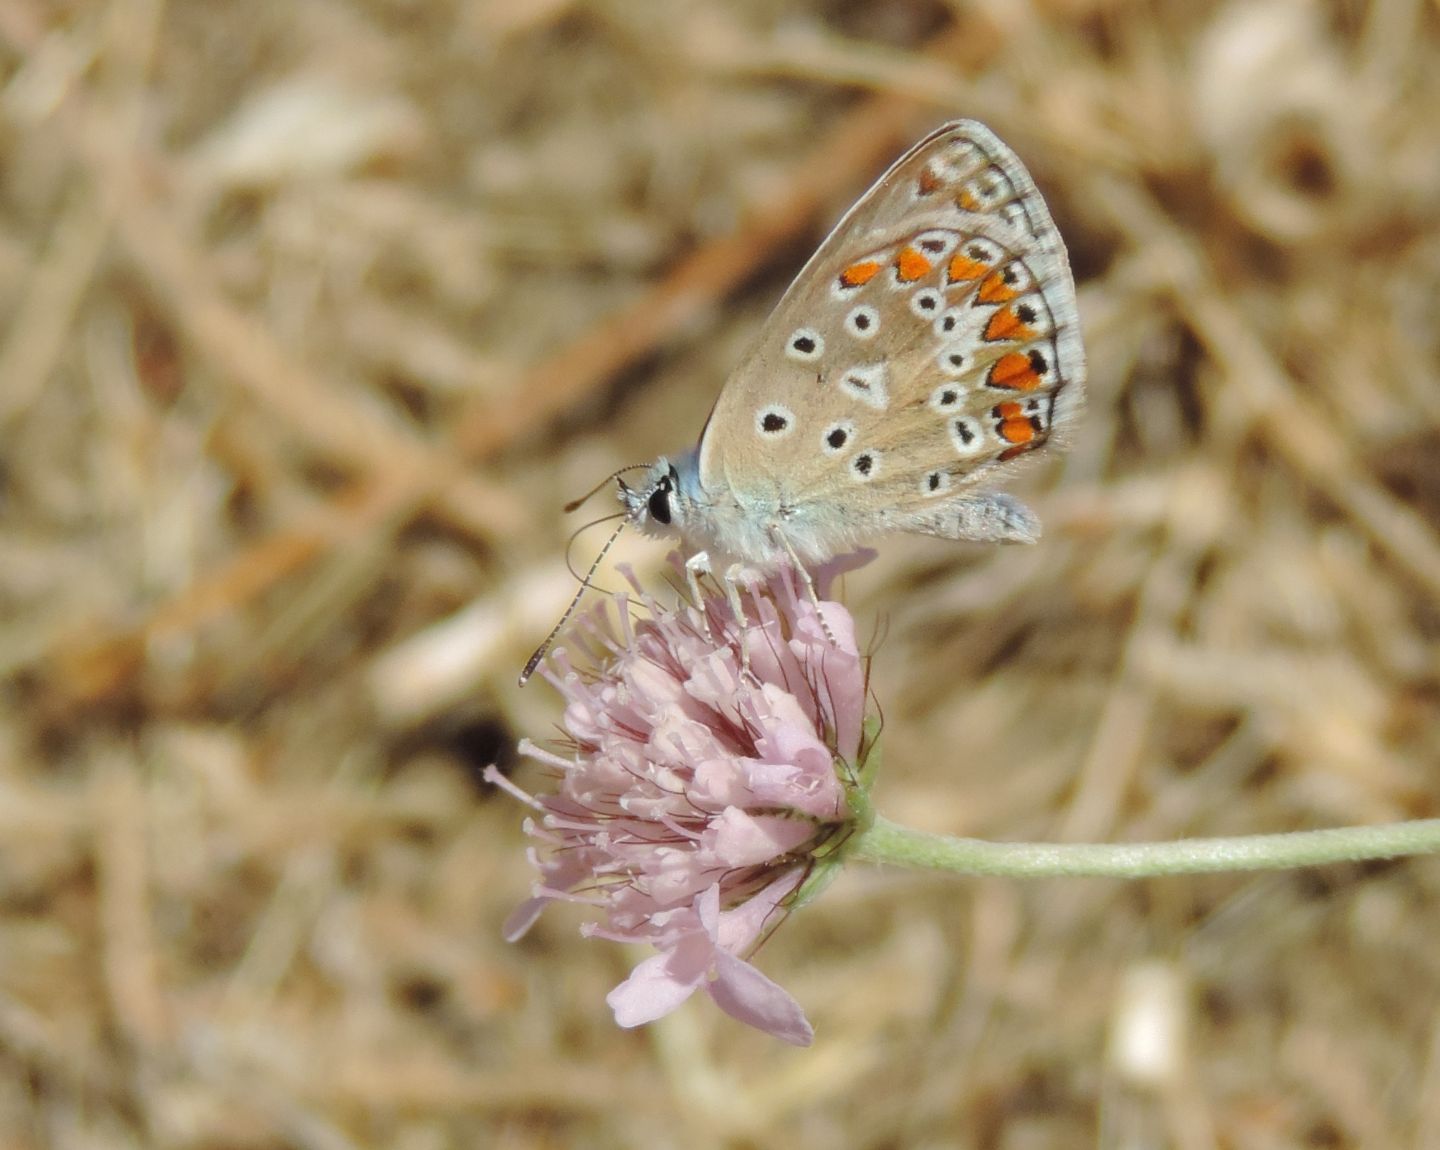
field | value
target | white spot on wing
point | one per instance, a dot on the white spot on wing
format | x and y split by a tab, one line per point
774	422
927	303
1032	312
835	438
863	322
867	384
967	435
952	360
959	159
933	484
1013	214
982	252
937	245
1017	277
989	188
948	324
805	345
865	466
946	397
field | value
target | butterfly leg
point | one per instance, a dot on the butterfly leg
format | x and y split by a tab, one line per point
696	566
738	575
804	573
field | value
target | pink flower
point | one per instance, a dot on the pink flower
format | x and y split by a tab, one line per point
700	800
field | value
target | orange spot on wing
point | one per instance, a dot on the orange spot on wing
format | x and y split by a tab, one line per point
928	183
966	201
857	274
1005	324
1021	432
994	289
1014	372
963	268
910	265
1016	430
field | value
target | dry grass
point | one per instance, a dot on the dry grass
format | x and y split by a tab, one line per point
315	313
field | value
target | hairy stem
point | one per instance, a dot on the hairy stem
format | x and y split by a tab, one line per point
887	842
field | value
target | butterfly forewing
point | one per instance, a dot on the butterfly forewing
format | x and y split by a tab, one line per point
932	340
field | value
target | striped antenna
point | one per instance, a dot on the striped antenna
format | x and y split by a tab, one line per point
575	602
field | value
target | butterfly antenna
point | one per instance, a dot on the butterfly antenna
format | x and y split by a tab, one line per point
574	535
575	602
575	503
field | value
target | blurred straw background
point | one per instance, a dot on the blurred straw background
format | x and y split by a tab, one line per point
313	314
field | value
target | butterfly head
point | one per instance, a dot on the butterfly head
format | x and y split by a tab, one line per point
662	502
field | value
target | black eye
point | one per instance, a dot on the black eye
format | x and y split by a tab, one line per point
659	502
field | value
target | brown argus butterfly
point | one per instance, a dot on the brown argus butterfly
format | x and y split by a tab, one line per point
930	345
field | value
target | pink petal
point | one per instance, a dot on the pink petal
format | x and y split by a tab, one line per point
560	873
786	710
746	840
735	931
744	993
723	782
661	983
522	918
810	786
707	906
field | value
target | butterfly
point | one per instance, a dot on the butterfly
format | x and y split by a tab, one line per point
929	346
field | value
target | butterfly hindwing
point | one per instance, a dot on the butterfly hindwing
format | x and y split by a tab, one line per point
931	342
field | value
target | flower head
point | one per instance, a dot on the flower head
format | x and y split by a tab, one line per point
710	769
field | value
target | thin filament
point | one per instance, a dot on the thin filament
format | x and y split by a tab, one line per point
575	602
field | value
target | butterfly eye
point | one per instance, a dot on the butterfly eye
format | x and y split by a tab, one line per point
659	501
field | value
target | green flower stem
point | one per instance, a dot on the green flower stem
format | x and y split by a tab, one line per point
887	842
